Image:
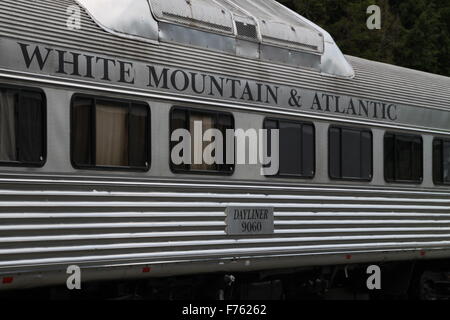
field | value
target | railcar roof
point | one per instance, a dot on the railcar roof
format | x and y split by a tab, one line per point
44	21
426	89
261	29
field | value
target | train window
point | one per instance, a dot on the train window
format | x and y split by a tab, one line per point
22	127
109	134
350	154
187	119
441	161
297	147
403	158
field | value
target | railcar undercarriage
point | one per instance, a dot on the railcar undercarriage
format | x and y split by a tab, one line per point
422	280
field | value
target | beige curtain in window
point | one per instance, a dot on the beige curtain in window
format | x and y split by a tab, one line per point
111	135
207	123
7	127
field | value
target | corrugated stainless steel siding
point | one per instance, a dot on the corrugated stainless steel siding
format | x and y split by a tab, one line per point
46	225
56	223
45	21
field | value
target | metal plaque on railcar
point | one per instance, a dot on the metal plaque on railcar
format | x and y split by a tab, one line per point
249	221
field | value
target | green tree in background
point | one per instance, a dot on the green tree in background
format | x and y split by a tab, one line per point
414	33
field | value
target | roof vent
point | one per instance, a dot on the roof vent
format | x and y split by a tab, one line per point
203	14
256	29
279	28
246	25
246	30
132	18
295	37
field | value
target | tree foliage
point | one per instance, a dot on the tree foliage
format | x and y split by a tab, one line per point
414	33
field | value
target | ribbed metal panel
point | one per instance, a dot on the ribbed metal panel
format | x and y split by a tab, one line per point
45	21
61	225
53	223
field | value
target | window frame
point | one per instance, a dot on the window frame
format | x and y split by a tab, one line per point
404	135
442	140
44	132
130	102
302	122
360	129
173	167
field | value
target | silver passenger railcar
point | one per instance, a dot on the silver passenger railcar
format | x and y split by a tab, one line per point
90	92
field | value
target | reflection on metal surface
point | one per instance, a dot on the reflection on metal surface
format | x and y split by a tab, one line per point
279	27
57	216
261	29
124	17
205	14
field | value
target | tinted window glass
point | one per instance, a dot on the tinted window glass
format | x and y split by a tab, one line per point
441	161
110	134
22	127
308	151
297	147
196	122
366	155
403	158
350	153
290	148
446	162
138	126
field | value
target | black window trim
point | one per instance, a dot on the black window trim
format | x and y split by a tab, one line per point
409	135
438	183
302	122
41	163
130	102
173	167
360	129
